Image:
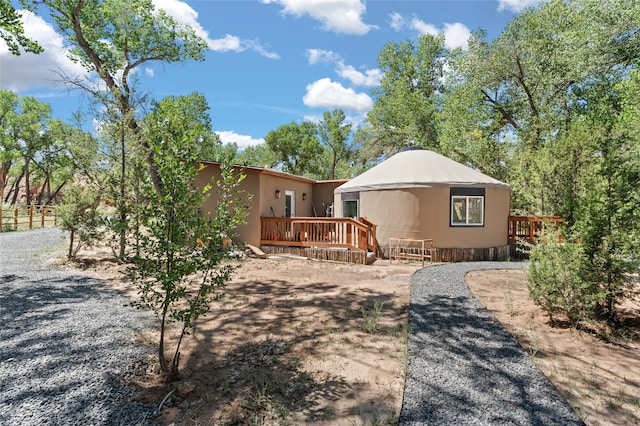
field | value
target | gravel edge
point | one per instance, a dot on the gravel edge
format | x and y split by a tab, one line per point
66	345
463	367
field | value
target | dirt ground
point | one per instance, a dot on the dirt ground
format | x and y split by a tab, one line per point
598	372
298	341
295	341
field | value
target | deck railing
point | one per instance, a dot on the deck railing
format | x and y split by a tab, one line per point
529	228
329	232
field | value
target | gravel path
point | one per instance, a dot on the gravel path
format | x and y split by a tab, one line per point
65	340
464	368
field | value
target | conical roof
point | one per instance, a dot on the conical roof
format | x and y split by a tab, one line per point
418	168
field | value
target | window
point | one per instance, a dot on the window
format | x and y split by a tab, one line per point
350	204
350	208
467	207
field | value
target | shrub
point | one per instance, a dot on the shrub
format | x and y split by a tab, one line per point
80	216
556	282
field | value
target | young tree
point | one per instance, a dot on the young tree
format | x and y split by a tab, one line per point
80	216
181	264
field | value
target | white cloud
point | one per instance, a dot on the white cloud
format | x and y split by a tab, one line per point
340	16
455	35
368	78
225	43
186	15
516	5
149	72
29	71
397	21
317	56
424	28
328	94
243	141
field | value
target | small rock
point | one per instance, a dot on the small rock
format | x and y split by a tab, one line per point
184	389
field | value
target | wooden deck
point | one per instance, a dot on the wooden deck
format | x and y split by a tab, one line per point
529	228
354	241
319	233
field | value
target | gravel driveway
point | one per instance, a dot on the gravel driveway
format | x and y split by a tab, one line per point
464	368
65	340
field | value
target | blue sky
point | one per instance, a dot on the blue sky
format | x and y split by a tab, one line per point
270	62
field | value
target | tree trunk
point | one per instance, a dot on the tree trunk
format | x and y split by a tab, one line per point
122	205
56	192
13	185
27	160
4	176
16	189
70	255
41	193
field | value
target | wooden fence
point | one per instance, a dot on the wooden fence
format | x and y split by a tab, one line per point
22	218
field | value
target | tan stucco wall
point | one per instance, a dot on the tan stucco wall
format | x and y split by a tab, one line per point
262	187
424	213
268	186
250	231
323	195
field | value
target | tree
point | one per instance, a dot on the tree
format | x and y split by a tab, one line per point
114	38
181	262
80	216
334	135
30	135
9	149
258	156
296	147
12	30
405	110
510	98
607	215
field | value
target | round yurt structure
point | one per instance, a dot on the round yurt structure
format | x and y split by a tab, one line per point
419	194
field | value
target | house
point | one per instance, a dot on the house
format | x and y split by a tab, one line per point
274	194
420	194
415	194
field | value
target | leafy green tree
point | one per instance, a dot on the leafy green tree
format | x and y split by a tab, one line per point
30	133
12	30
258	156
114	38
406	106
297	148
9	148
79	214
607	215
334	136
181	264
510	100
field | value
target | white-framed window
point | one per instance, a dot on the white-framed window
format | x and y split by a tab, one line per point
467	207
350	204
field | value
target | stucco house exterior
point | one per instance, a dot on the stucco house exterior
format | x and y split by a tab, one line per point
274	194
415	194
